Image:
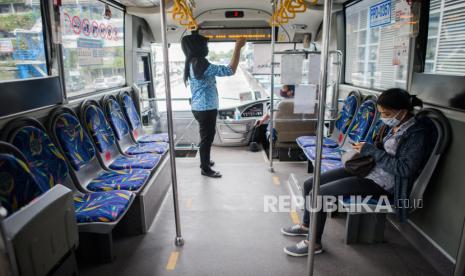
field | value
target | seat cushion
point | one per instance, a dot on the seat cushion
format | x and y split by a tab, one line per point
328	153
128	180
329	164
159	147
146	161
102	206
17	184
150	138
47	163
309	141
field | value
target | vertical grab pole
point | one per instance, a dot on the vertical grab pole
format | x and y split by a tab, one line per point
319	141
271	124
179	241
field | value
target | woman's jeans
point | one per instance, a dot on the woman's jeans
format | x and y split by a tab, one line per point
338	183
207	129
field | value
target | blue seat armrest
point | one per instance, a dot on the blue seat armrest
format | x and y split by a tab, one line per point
40	234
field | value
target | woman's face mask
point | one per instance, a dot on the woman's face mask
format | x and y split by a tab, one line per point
391	121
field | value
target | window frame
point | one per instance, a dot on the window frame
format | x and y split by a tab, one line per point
46	36
343	39
68	97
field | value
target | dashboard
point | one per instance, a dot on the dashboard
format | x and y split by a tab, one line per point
251	110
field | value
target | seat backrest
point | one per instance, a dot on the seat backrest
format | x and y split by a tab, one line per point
69	135
362	121
347	113
130	111
293	124
115	116
93	118
47	163
443	134
17	184
375	130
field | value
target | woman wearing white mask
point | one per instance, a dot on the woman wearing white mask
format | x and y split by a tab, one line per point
399	159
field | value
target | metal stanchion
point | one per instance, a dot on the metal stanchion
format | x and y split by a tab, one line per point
271	123
319	140
179	241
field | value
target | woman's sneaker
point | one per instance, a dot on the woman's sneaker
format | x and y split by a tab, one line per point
294	230
301	249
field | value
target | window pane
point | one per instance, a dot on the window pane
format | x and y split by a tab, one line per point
376	48
446	36
93	47
22	52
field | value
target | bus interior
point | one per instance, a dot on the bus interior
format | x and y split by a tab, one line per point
99	148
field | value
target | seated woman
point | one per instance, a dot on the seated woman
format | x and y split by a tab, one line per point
399	160
261	132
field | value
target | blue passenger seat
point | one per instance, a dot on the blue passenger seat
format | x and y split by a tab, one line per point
35	219
343	121
135	122
86	170
361	125
122	132
104	139
48	166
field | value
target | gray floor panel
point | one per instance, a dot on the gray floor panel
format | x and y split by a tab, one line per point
228	233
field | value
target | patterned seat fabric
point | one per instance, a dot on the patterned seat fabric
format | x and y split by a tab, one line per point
101	207
309	141
116	118
362	121
328	153
150	138
80	145
136	124
131	112
105	140
146	161
374	131
17	184
158	147
328	164
347	113
76	144
119	180
47	163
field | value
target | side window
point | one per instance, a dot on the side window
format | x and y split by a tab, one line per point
377	43
22	54
93	46
446	36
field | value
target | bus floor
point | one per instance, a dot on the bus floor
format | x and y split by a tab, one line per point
227	232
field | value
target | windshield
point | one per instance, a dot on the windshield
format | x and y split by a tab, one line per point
232	91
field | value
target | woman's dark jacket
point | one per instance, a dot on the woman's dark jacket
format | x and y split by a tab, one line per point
414	149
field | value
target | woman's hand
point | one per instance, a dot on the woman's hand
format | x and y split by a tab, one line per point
358	146
240	42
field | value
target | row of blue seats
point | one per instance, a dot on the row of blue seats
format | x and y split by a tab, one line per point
105	159
358	121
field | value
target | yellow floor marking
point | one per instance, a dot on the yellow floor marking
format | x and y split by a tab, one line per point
171	265
189	203
276	180
295	217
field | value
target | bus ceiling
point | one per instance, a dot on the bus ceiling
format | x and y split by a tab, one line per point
213	14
